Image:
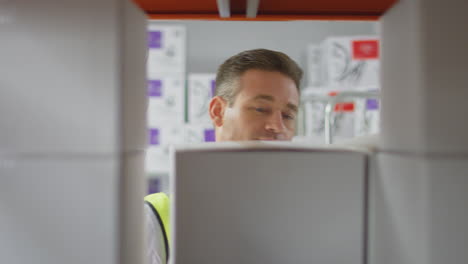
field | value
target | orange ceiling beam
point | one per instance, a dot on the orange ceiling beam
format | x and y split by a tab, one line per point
263	17
277	10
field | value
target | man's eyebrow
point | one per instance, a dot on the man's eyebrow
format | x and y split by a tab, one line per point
264	97
270	98
292	107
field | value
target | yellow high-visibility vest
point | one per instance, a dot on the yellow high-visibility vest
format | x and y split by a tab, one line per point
159	204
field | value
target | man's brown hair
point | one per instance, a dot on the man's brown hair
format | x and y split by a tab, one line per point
258	59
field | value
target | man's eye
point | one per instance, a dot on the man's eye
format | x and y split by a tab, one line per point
288	117
261	109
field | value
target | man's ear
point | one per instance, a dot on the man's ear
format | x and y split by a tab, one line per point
217	107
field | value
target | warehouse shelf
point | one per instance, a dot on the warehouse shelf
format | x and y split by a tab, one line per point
268	9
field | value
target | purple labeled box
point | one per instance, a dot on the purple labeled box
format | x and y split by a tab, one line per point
154	185
213	87
372	104
155	39
209	135
154	136
154	88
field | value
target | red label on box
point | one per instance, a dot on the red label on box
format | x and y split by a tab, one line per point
365	49
344	107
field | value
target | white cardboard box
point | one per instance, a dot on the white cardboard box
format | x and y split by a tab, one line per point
350	62
165	135
167	49
157	160
160	140
343	119
166	100
367	119
284	204
425	80
196	133
200	89
418	211
66	90
313	66
65	193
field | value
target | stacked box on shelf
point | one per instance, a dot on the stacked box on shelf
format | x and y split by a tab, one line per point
350	63
367	120
339	64
201	88
197	133
166	94
313	66
166	100
167	49
343	118
358	117
160	140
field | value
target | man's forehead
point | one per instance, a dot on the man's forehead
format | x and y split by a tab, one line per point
258	84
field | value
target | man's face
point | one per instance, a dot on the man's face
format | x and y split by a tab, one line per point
265	108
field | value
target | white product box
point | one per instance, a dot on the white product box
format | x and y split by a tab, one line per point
158	182
350	62
165	135
166	100
167	49
157	160
196	133
314	114
313	66
425	80
98	176
343	119
434	188
160	140
42	110
200	89
299	186
367	120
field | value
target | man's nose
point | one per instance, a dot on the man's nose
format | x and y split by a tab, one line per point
275	123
